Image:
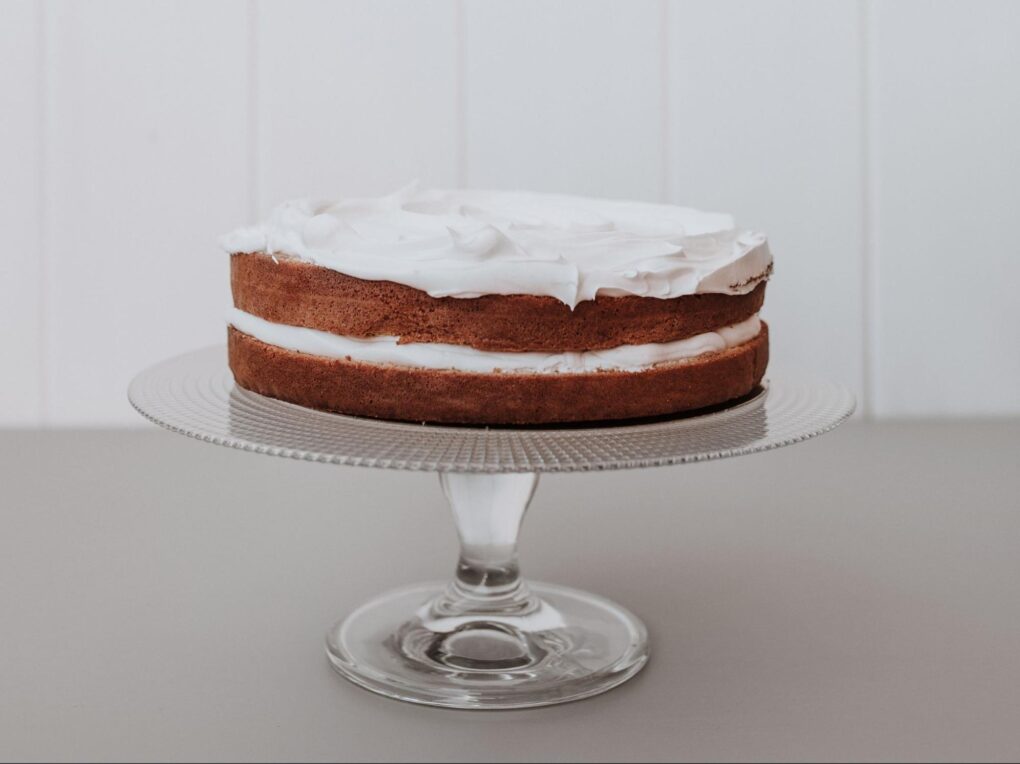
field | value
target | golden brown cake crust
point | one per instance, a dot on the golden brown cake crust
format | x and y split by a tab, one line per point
446	396
296	293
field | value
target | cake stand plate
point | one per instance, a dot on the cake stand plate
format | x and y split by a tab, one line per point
488	639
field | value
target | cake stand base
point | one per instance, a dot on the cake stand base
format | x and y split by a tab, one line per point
488	639
566	645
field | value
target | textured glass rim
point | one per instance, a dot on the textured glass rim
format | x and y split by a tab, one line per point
798	406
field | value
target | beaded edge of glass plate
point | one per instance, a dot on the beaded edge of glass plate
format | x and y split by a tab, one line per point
194	394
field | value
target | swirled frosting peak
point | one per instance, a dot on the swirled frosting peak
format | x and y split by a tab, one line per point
473	243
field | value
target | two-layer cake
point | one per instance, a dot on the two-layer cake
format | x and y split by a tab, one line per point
497	307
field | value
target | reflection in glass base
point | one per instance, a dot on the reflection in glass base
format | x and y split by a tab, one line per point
552	645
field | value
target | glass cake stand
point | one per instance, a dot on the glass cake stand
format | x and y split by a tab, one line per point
488	639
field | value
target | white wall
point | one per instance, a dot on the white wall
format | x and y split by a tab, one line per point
876	142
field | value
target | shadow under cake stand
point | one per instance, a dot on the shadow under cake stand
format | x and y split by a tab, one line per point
488	639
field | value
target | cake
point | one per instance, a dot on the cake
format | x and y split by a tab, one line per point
485	307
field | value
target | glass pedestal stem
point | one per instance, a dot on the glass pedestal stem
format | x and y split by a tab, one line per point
488	511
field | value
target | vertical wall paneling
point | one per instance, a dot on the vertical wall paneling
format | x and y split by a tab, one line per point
875	143
356	97
20	209
947	151
253	159
145	167
765	123
564	95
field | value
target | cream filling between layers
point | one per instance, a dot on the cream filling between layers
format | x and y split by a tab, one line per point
434	355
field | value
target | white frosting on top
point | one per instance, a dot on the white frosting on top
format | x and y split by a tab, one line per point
434	355
472	243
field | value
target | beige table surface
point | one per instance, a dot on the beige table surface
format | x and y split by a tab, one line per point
855	597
